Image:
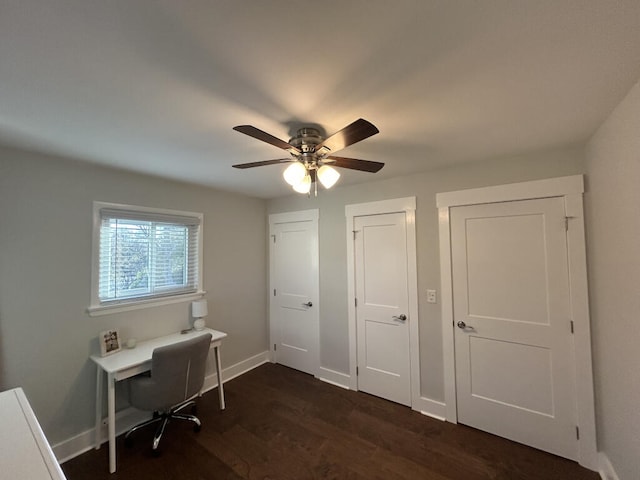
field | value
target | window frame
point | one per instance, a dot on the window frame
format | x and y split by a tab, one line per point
96	307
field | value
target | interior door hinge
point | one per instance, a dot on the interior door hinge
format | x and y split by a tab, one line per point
571	323
274	292
566	223
355	302
577	432
274	238
354	233
357	371
275	347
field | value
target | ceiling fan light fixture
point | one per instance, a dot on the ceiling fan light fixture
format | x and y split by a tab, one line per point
304	185
328	176
295	173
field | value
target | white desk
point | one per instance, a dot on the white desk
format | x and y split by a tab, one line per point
24	450
129	362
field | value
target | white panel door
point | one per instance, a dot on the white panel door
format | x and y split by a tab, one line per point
513	336
294	302
382	319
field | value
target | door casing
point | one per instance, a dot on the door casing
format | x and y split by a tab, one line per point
571	190
408	206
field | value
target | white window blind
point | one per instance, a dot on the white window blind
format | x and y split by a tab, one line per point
144	255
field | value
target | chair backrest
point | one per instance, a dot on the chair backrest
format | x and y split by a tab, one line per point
178	370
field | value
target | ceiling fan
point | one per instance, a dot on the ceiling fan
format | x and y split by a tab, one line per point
312	156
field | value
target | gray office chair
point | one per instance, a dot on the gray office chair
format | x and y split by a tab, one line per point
177	376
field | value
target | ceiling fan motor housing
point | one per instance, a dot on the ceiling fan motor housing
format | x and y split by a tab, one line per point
306	140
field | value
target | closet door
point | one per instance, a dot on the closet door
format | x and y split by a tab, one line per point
294	290
382	311
514	351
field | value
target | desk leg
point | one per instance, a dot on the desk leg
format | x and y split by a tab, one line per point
111	407
99	394
219	373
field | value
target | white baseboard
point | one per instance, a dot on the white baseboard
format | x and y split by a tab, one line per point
424	405
229	373
333	377
431	408
85	441
606	470
128	417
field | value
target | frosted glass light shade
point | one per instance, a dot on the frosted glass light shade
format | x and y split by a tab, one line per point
328	176
304	185
294	173
199	309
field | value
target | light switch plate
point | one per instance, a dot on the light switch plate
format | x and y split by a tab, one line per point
431	296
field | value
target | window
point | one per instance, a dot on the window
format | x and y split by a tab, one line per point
144	256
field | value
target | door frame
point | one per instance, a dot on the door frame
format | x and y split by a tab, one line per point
571	188
292	217
407	206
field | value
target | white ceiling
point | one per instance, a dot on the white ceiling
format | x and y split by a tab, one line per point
156	86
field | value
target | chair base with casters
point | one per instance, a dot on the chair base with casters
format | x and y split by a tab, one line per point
163	419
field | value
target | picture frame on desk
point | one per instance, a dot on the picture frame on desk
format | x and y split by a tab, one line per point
109	342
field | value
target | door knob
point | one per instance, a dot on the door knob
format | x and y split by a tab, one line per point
308	304
461	325
402	317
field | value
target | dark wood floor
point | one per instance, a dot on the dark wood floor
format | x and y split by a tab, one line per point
283	424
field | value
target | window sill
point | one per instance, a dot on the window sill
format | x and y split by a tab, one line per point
99	310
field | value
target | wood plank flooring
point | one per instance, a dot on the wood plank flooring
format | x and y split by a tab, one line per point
283	424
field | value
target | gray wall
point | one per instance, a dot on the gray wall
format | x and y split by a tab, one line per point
45	277
613	243
334	348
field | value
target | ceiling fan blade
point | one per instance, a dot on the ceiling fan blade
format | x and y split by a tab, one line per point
263	163
352	133
265	137
354	164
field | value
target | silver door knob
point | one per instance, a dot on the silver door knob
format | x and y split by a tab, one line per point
308	304
461	325
402	317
